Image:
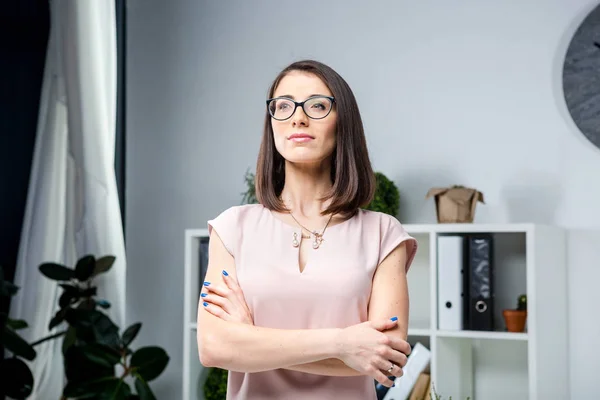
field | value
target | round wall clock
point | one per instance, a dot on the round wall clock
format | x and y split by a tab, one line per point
581	77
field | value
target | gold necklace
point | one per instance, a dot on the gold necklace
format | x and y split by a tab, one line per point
318	236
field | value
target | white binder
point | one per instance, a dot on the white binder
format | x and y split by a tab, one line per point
450	282
418	360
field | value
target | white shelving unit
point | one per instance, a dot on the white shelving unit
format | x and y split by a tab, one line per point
528	258
194	374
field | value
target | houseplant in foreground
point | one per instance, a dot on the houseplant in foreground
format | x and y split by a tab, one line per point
98	359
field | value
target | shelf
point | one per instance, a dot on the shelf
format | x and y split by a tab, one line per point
469	228
419	332
483	335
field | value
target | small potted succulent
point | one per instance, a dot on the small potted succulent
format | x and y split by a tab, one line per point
515	318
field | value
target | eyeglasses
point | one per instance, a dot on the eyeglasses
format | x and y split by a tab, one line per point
315	107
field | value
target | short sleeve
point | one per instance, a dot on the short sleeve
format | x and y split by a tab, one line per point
226	226
392	235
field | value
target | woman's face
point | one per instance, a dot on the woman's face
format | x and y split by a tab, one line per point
300	139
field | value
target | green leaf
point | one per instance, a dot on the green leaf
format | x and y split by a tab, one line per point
87	305
17	345
67	298
101	354
149	362
120	391
57	272
8	288
16	324
103	264
93	325
17	379
131	333
85	268
143	390
91	388
69	340
79	368
58	318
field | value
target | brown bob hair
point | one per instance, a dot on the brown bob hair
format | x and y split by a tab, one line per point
352	177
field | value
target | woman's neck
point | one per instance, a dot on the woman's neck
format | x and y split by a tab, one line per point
304	187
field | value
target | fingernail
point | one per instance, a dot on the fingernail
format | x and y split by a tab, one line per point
203	295
206	283
225	273
394	318
393	384
205	304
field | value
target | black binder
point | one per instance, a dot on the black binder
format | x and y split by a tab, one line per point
479	299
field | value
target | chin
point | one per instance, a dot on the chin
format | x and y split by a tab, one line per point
307	158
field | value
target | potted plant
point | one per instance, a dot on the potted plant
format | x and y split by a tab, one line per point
515	318
249	196
98	359
387	196
215	387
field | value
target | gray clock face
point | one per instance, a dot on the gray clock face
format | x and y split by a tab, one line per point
581	77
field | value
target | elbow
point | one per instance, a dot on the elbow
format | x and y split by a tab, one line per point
206	346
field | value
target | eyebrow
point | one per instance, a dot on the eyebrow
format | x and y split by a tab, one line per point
293	98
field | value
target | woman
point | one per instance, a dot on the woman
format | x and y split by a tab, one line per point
305	294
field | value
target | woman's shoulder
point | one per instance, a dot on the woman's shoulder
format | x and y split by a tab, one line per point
378	218
241	212
391	234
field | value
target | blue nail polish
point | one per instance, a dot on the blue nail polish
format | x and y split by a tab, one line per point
206	283
203	295
225	273
204	304
393	384
394	318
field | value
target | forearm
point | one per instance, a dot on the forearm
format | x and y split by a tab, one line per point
247	348
328	367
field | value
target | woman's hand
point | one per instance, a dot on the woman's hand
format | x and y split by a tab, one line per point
365	348
226	300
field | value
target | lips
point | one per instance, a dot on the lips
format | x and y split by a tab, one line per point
300	137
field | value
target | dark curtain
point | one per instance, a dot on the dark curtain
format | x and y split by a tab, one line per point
24	30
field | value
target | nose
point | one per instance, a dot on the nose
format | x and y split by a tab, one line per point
299	118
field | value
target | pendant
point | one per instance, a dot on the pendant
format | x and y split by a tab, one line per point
295	242
318	241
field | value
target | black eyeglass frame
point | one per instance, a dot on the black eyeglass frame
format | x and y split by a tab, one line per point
300	104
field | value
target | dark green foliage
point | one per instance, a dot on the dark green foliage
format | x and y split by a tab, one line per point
387	196
522	302
97	359
249	196
215	387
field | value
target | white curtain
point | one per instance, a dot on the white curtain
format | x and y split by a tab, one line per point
72	206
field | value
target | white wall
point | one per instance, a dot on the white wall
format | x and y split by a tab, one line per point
462	92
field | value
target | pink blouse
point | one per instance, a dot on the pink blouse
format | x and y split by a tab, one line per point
332	291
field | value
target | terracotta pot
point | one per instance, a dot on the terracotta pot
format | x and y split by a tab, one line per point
515	320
